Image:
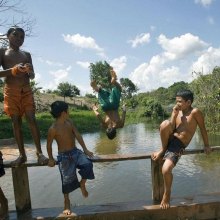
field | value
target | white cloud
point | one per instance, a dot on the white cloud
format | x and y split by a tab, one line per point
61	75
154	74
82	42
119	64
207	61
180	47
84	65
204	2
165	68
50	63
140	39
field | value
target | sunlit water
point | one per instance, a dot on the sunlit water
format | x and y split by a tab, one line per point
125	180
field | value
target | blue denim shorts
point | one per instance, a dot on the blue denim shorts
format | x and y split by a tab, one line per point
68	163
174	150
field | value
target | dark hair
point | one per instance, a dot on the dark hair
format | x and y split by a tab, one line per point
111	133
13	28
57	108
186	95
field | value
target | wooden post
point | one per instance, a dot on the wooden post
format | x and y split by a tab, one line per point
21	188
157	180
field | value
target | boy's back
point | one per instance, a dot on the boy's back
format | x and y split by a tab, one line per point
63	133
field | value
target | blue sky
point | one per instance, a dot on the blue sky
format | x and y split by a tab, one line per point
152	42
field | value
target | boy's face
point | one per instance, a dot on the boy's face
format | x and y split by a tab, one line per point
16	38
182	104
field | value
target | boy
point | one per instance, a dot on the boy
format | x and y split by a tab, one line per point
69	157
176	134
110	102
3	200
18	97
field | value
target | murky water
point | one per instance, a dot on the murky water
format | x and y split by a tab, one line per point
125	180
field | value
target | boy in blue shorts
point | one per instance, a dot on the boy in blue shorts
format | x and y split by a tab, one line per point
69	156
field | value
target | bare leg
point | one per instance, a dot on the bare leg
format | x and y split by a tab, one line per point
165	132
4	205
94	86
66	210
16	124
83	188
168	179
36	136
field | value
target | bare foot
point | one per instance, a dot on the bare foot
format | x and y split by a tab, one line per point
113	77
165	203
19	161
94	86
67	210
42	160
156	155
83	188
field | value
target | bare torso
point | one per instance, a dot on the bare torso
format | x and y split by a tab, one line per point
64	136
185	126
8	59
112	119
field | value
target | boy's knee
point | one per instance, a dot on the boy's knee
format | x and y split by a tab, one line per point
166	124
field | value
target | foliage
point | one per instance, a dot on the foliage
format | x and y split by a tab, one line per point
67	90
128	87
100	72
27	23
206	90
34	87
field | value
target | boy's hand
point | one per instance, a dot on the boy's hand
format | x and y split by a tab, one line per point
207	150
88	153
176	109
95	108
51	163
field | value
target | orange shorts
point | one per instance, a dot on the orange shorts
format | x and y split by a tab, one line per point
17	101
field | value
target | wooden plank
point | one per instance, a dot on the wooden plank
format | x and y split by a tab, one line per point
21	188
157	180
194	207
116	157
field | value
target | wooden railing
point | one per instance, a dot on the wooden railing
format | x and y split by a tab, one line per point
21	181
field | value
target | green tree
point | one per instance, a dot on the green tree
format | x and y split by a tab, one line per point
100	72
128	87
206	89
67	90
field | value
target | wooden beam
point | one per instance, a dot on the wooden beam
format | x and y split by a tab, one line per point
116	157
21	188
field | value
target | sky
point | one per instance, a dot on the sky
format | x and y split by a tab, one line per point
154	43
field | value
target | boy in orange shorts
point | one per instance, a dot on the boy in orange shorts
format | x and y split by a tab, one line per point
18	96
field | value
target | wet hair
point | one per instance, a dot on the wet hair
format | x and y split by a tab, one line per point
111	133
186	95
57	108
14	28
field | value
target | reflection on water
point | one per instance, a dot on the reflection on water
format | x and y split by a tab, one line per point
125	180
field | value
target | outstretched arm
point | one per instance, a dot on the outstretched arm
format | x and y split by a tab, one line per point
95	110
201	123
123	116
81	141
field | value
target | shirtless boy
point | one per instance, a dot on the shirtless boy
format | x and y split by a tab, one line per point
176	134
18	97
109	102
69	156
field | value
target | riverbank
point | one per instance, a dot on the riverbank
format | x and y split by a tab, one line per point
84	120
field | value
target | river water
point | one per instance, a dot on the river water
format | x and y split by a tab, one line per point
125	180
